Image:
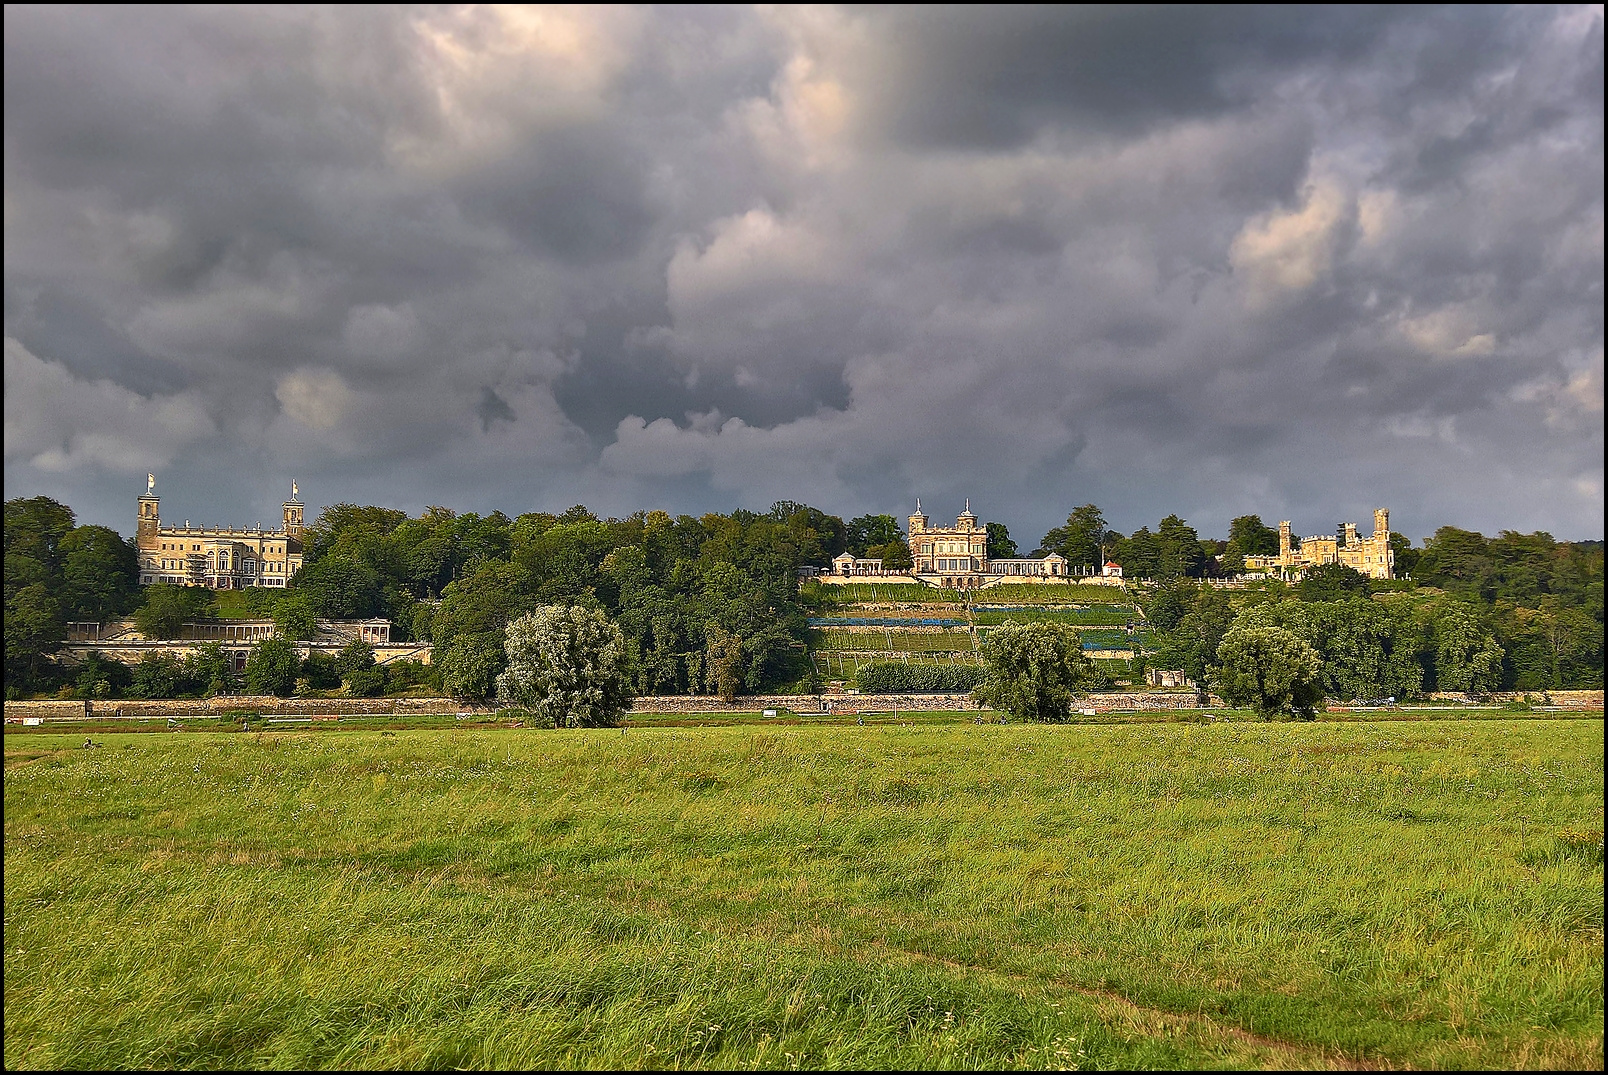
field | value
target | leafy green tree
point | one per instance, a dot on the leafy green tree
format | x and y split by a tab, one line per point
1270	670
1179	554
470	665
566	664
406	675
210	670
725	661
1404	555
364	678
348	526
1000	545
340	587
1139	554
1248	536
895	555
868	530
1332	582
36	618
1467	656
369	682
1034	670
294	617
322	671
101	677
1367	650
354	656
272	667
1170	604
1200	632
100	573
35	628
159	675
167	608
482	603
34	528
1081	538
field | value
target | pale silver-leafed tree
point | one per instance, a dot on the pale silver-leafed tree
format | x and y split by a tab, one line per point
566	664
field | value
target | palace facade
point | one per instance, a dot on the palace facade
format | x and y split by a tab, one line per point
220	558
955	557
1371	555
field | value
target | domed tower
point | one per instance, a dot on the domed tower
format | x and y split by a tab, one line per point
918	521
966	520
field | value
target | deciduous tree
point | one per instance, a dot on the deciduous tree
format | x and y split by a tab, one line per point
566	664
273	666
1269	669
1034	670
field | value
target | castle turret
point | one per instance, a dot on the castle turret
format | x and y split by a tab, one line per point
149	519
918	521
293	514
966	520
1284	542
1382	522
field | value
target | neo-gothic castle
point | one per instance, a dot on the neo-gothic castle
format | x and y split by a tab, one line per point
1371	555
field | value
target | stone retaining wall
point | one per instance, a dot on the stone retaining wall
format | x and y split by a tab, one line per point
268	705
1582	699
102	709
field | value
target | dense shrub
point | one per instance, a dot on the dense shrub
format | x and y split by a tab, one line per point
892	677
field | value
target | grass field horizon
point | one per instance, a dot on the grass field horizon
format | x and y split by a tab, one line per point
1337	894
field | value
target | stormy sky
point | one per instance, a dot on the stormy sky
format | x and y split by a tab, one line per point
1300	262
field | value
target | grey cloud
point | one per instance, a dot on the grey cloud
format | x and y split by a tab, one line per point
1203	260
576	194
992	78
493	408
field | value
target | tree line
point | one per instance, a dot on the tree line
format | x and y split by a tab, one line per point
711	603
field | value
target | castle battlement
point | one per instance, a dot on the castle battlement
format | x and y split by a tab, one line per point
1371	555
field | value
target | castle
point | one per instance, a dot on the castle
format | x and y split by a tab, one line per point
1371	555
956	557
217	557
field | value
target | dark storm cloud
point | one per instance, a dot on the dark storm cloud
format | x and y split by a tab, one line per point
574	194
1298	262
994	77
493	408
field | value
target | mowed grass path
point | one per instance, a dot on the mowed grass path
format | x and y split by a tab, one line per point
1393	894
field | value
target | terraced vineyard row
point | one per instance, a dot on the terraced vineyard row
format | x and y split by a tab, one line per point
904	641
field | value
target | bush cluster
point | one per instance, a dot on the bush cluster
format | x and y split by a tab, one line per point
892	677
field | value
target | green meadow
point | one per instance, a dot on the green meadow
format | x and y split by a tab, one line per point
1235	894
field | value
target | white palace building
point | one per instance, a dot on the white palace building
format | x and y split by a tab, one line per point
955	557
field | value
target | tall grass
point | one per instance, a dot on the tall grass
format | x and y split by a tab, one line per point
1412	893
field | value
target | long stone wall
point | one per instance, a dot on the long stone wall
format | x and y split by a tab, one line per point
1576	699
103	709
268	705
